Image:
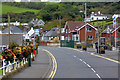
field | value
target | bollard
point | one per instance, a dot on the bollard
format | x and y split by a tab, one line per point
3	67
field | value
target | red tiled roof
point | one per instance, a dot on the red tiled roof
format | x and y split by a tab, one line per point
75	25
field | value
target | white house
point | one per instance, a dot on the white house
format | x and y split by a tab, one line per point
97	16
14	23
116	15
37	22
29	34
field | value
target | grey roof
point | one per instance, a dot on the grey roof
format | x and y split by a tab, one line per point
13	29
37	22
52	33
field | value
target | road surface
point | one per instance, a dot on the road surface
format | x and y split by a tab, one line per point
79	64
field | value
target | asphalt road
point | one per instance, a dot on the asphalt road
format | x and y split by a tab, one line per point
76	64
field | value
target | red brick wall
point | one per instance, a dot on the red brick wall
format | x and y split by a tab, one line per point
82	33
117	34
106	35
68	34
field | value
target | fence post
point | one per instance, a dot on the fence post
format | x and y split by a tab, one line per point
24	60
18	64
15	64
9	65
3	67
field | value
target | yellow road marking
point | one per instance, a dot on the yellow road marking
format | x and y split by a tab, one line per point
75	49
97	55
105	58
54	68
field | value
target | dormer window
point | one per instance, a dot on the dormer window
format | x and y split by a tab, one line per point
89	29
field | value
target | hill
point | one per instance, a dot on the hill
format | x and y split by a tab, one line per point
13	9
51	12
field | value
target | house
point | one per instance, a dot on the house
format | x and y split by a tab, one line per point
50	35
97	16
110	31
116	15
76	31
16	35
14	24
37	22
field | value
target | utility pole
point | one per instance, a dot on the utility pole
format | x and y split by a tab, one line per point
9	29
98	37
115	36
60	26
85	29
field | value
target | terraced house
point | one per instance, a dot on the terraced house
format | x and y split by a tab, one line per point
76	31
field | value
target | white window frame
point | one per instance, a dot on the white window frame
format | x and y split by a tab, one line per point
66	30
89	30
75	37
90	38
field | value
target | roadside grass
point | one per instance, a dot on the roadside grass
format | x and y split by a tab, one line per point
7	8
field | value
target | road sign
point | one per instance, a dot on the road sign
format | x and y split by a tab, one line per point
36	31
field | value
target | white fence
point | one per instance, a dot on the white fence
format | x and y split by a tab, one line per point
8	67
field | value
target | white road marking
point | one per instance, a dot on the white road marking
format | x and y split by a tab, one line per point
74	56
80	59
84	62
98	76
93	70
88	65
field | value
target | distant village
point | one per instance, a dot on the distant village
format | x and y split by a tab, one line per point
73	30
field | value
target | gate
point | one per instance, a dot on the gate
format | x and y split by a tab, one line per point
67	43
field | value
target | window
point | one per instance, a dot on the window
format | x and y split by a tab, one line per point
90	37
76	37
119	31
92	18
89	29
66	30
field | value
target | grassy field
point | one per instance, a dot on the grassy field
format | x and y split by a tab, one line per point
7	8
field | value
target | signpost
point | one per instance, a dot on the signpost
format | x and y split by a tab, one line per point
114	25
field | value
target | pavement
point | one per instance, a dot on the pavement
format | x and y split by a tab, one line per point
39	68
114	54
74	63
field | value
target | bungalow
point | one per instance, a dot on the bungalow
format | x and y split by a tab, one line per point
16	35
50	35
76	31
97	16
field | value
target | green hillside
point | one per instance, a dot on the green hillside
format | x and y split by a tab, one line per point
8	8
